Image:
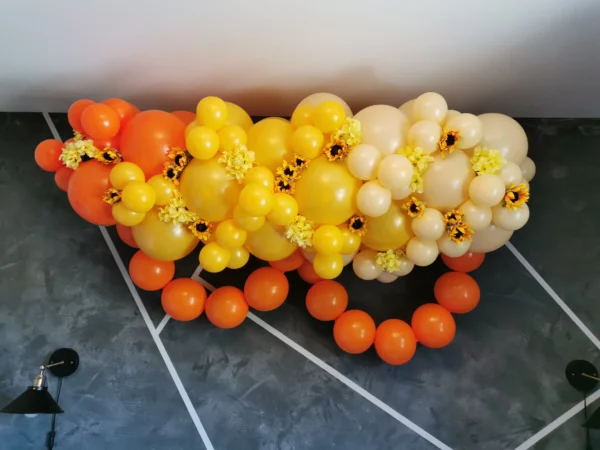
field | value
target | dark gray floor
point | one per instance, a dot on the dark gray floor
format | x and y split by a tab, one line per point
499	383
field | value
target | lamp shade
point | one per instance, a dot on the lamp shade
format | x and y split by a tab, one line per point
33	401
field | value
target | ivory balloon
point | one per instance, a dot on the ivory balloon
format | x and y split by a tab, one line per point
451	248
365	266
387	277
430	106
383	126
395	172
470	129
446	181
401	193
528	169
490	239
422	252
487	190
406	267
477	217
425	134
504	133
406	109
510	219
430	225
271	141
450	115
373	199
269	244
511	174
318	98
388	231
347	259
363	162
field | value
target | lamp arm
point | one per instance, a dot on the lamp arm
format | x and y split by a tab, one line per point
53	364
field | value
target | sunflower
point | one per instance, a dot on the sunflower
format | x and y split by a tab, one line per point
414	207
300	232
358	225
201	229
448	141
460	232
180	157
284	186
299	162
516	196
454	217
172	172
112	196
288	172
108	156
336	150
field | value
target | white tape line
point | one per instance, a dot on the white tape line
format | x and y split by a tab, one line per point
162	324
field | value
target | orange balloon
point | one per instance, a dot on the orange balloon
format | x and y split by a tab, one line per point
433	325
226	307
75	111
395	342
465	263
86	189
186	117
354	331
292	262
100	121
126	235
148	138
47	153
183	299
266	289
308	274
124	110
113	142
62	177
150	274
326	300
457	292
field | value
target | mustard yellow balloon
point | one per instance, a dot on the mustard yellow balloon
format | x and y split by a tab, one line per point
351	240
207	191
230	136
329	116
212	112
328	266
190	127
270	140
229	235
269	243
163	189
237	116
247	222
256	200
202	142
138	196
125	172
238	258
163	241
302	115
308	141
260	175
326	192
328	240
284	211
125	216
214	258
389	231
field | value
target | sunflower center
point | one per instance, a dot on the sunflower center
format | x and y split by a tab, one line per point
357	224
171	173
335	149
299	162
288	171
85	158
515	196
108	156
179	160
450	140
201	227
414	208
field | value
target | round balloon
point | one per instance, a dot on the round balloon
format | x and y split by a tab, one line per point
150	274
388	231
433	325
490	239
237	116
266	289
504	133
183	299
395	342
465	263
315	100
457	292
86	191
384	127
269	244
326	300
271	141
354	331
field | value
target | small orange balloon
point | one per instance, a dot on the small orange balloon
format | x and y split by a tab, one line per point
308	274
62	177
266	289
292	262
457	292
126	235
47	153
113	142
150	274
433	325
226	307
75	111
186	117
326	300
124	110
86	190
465	263
354	331
100	121
395	342
183	299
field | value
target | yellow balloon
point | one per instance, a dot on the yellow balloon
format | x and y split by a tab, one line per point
239	258
202	142
270	140
163	189
138	196
163	241
302	115
326	192
125	216
230	136
328	266
190	127
237	116
229	235
328	240
390	231
207	191
329	116
260	175
214	258
212	112
246	222
308	141
256	200
125	172
285	209
269	244
352	241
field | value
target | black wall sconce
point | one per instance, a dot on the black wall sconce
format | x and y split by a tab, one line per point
36	399
583	376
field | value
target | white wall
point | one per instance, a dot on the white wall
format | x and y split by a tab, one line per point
521	57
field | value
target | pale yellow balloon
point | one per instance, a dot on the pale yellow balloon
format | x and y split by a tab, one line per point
406	267
214	258
208	191
510	219
503	133
237	116
238	258
347	259
389	231
326	192
364	265
363	161
271	141
430	225
446	181
421	252
477	217
269	244
383	126
387	277
487	190
165	241
373	199
163	188
401	193
490	239
395	172
260	175
315	99
451	248
470	129
425	134
450	115
406	109
246	222
528	169
328	267
430	106
511	174
125	216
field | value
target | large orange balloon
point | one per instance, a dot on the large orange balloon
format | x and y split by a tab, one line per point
292	262
326	300
186	117
126	235
465	263
226	307
86	190
150	274
395	342
266	289
457	292
433	325
75	111
100	121
62	177
307	272
183	299
148	138
124	110
47	153
354	331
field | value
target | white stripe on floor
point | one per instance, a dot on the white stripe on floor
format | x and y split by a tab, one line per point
162	324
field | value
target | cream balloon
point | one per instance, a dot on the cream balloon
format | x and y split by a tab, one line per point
406	267
470	129
425	134
387	277
510	219
365	266
395	172
528	169
383	126
511	174
487	190
422	252
401	193
363	162
320	97
477	217
430	106
451	248
490	239
504	133
348	258
406	109
450	115
430	225
373	199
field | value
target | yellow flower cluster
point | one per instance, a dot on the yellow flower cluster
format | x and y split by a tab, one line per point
239	160
176	211
420	161
300	232
74	151
343	140
390	260
287	174
487	161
